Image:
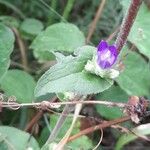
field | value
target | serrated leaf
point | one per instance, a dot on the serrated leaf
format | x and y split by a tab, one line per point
126	138
136	76
113	94
6	46
31	26
15	139
63	37
68	76
140	32
20	84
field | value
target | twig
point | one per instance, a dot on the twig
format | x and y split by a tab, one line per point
111	36
61	120
94	22
34	120
127	23
101	138
21	48
97	127
16	64
58	125
47	104
63	141
37	116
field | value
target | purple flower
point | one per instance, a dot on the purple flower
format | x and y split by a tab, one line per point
106	55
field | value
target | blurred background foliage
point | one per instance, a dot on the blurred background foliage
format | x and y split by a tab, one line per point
30	17
82	13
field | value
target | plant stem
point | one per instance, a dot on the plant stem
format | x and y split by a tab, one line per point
23	118
99	126
58	125
22	49
51	16
68	8
127	23
95	20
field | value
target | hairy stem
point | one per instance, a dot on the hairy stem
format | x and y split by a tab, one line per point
127	23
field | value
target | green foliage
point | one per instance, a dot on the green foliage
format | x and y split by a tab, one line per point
114	94
86	142
15	139
20	84
140	32
64	37
65	43
6	46
9	21
126	138
31	26
136	76
68	75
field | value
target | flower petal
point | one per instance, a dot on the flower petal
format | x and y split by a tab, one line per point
102	45
113	50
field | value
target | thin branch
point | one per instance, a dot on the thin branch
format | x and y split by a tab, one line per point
101	138
99	126
47	104
34	120
58	125
127	23
22	49
112	35
37	117
94	22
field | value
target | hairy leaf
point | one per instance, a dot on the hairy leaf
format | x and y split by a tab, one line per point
19	84
64	37
6	47
136	76
14	139
69	76
113	94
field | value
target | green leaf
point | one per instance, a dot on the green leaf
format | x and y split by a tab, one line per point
140	32
86	142
31	26
10	21
113	94
19	84
64	37
43	56
15	139
126	138
6	46
68	76
136	76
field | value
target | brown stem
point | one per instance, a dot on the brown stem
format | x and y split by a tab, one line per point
97	127
34	120
22	49
127	23
37	117
94	22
